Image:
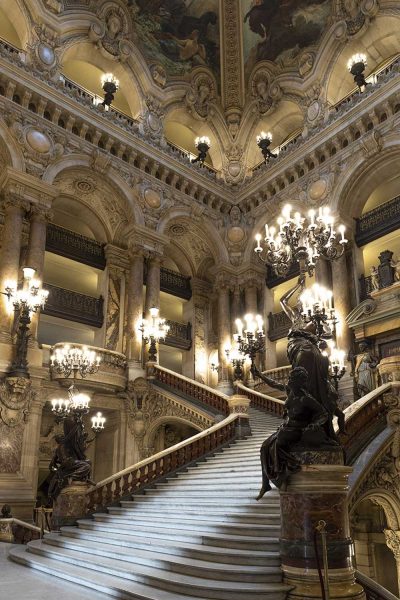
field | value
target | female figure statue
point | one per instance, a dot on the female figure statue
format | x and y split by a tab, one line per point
364	370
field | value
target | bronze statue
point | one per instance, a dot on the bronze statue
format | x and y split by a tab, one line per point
303	428
69	462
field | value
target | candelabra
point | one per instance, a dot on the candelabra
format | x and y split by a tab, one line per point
237	359
336	366
203	145
356	66
317	308
153	331
76	405
73	359
264	141
301	240
110	85
251	338
25	300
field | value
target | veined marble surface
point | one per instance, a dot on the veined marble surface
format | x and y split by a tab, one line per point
19	583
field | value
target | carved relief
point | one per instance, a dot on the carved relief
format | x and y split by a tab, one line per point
16	397
113	309
201	96
110	35
152	120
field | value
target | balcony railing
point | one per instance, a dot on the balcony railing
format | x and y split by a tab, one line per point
173	283
111	374
280	374
72	306
279	325
378	222
179	335
75	246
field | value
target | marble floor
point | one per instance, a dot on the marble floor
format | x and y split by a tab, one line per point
20	583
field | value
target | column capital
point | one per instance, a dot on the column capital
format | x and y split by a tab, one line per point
137	251
13	201
41	213
116	257
393	542
201	287
27	188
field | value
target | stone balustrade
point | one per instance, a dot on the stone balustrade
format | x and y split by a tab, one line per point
145	473
112	373
280	374
192	390
262	401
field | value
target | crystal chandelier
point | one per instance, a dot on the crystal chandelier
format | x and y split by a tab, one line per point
73	359
317	308
250	338
301	240
153	331
25	301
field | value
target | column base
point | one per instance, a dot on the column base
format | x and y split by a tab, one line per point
307	586
70	505
135	370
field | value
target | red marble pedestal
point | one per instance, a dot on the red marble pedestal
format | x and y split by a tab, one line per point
318	492
70	505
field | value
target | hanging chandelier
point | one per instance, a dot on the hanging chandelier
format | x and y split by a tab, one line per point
300	239
72	359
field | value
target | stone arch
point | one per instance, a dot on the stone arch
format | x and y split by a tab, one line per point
10	152
15	15
179	225
118	204
364	175
387	501
151	432
83	63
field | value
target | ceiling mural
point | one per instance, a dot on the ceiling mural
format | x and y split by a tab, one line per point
178	34
277	30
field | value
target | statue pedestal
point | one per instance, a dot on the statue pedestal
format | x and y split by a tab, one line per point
70	504
239	404
318	492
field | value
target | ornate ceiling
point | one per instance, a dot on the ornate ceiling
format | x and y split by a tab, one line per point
222	68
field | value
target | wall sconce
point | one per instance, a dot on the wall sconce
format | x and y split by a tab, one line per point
203	145
356	66
264	141
110	85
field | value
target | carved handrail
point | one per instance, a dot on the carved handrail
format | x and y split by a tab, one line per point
18	532
280	374
193	389
262	401
372	589
75	246
365	418
135	478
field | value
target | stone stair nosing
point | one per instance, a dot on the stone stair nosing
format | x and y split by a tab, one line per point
197	534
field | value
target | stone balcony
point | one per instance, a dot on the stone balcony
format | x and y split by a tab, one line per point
111	375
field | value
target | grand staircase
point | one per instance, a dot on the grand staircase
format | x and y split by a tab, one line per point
201	534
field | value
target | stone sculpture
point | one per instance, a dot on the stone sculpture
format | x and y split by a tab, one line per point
365	370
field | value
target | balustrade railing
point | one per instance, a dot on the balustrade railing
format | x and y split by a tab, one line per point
192	389
262	401
179	335
372	589
174	283
75	246
280	374
278	325
73	306
137	477
18	532
378	222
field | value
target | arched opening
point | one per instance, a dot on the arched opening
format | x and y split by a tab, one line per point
373	557
170	433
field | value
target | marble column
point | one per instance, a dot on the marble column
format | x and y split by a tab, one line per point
393	543
39	218
270	347
341	295
224	336
14	210
322	273
236	304
117	267
134	309
153	283
316	493
251	301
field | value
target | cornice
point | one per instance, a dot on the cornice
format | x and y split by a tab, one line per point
33	190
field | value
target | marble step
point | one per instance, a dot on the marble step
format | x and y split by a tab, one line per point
223	493
236	556
170	563
154	504
266	542
154	577
191	525
209	485
198	500
269	516
122	588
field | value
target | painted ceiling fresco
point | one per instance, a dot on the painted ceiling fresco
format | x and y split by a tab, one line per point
179	34
277	30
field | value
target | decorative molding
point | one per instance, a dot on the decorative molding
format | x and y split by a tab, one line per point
16	397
